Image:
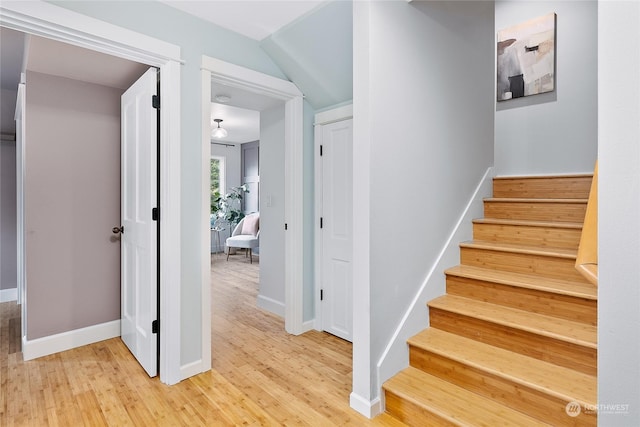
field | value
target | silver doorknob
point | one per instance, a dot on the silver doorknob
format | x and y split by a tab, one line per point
118	230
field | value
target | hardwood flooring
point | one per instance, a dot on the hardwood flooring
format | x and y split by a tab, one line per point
261	376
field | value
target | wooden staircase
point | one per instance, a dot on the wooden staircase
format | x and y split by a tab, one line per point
513	342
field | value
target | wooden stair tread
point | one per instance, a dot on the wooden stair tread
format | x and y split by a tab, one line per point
536	177
552	327
548	224
528	281
522	249
455	404
548	378
532	200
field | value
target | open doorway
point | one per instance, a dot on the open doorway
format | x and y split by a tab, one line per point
215	71
56	24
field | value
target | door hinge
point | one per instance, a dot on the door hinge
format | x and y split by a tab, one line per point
155	101
155	327
321	150
321	294
286	227
155	214
321	222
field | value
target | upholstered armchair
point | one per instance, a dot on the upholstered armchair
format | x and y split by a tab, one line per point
246	235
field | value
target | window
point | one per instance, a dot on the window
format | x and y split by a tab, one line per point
217	181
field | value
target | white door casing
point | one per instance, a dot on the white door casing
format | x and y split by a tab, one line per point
139	234
54	22
233	75
336	229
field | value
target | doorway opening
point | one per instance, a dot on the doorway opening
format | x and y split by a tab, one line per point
215	71
55	23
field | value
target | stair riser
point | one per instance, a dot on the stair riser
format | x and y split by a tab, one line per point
412	414
567	354
542	188
546	266
539	211
530	401
568	238
550	304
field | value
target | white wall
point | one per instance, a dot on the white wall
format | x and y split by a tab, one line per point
427	71
8	244
271	292
619	212
557	131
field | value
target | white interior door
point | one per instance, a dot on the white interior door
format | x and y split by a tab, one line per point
139	233
337	231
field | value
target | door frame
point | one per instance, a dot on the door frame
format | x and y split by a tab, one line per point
214	69
323	118
54	22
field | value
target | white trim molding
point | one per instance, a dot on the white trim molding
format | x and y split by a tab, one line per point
367	408
271	305
54	22
253	81
337	114
396	355
67	340
7	295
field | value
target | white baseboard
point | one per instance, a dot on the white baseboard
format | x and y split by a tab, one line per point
396	355
308	326
7	295
193	368
68	340
271	305
366	407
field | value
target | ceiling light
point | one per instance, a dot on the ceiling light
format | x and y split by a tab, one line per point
223	99
218	132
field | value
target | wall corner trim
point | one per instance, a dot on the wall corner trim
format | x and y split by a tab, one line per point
366	407
69	340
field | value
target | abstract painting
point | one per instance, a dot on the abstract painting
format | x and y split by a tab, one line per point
526	58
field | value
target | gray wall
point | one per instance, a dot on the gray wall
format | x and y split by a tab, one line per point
556	131
430	68
8	247
272	262
619	210
72	200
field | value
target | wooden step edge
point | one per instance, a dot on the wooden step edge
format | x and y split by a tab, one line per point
553	176
521	222
504	316
521	249
526	281
561	383
453	403
532	200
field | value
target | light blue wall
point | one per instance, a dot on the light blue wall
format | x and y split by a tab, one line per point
196	38
316	52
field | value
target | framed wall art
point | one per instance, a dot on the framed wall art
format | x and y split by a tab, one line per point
526	58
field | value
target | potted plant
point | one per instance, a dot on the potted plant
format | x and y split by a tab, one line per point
227	208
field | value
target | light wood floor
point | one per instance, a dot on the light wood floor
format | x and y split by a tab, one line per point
261	376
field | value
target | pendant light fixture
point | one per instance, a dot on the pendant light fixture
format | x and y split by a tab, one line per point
219	132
